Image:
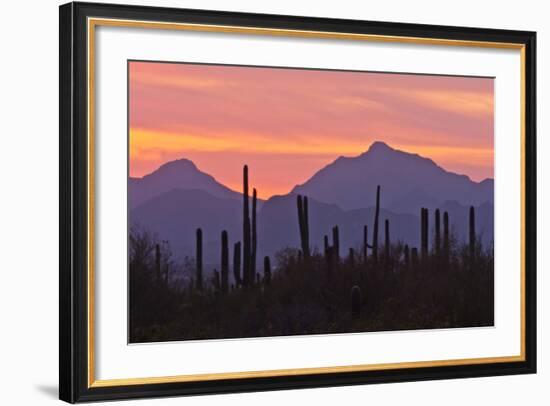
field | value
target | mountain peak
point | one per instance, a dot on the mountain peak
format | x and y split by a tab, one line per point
408	181
178	164
380	146
381	150
178	174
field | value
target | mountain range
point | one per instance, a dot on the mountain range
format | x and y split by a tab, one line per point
409	182
177	198
179	174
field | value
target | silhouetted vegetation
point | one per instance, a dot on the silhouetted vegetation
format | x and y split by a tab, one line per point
305	291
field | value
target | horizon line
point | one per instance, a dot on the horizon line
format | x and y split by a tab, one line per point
396	149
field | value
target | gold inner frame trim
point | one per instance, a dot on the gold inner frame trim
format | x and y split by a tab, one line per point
94	22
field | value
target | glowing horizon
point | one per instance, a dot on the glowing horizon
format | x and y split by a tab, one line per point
286	124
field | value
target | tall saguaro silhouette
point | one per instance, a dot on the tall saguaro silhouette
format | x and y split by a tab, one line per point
365	243
248	277
446	243
387	244
424	233
306	227
336	243
267	271
254	247
225	263
303	223
157	262
237	263
198	258
437	233
375	231
472	232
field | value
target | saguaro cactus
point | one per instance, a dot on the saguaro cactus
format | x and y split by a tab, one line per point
336	243
303	223
326	245
424	233
355	302
375	230
472	232
157	262
387	243
306	227
406	258
300	208
351	257
237	263
166	273
225	263
437	234
267	271
414	257
387	246
216	281
329	259
254	234
198	258
247	275
446	243
365	244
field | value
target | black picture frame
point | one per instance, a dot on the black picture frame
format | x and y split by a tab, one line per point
73	255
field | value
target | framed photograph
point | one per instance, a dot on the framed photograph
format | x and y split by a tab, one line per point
255	202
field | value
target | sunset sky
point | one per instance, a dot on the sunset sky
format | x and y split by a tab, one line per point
288	123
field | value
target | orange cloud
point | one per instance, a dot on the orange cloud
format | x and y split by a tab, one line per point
144	142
